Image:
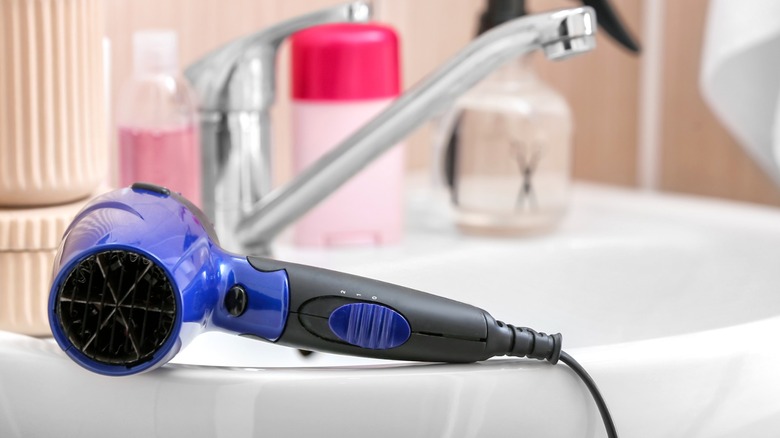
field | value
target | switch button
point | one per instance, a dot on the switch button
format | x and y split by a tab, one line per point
369	325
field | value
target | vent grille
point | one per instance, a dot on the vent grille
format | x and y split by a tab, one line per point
117	307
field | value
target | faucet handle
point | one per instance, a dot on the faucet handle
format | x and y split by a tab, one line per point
211	75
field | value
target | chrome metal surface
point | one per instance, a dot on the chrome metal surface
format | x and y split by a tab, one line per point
236	85
229	65
561	34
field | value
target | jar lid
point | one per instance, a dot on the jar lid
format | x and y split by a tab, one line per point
346	61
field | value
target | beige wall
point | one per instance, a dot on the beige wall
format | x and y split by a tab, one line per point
695	154
699	156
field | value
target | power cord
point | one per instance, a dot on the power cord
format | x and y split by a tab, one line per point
526	342
594	391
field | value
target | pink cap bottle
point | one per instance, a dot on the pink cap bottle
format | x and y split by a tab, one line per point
342	76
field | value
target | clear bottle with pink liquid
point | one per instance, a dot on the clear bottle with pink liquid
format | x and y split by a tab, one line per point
157	119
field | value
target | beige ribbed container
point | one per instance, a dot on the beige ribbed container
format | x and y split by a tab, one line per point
52	111
29	239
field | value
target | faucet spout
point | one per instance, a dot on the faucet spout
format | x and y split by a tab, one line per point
559	34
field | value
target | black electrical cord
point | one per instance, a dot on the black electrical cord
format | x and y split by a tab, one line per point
527	342
594	391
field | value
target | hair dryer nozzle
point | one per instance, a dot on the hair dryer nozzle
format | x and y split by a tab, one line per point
116	307
116	302
139	274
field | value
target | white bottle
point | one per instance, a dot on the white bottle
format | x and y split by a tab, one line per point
343	76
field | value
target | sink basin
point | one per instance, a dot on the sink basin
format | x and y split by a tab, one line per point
671	303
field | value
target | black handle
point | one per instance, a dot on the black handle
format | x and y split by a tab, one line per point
341	313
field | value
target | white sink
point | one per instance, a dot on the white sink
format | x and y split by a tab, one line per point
672	304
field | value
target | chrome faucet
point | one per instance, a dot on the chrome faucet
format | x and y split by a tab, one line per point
236	86
560	34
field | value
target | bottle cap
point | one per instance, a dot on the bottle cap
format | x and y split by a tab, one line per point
155	51
345	62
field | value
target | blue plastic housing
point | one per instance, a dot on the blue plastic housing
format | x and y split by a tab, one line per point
177	237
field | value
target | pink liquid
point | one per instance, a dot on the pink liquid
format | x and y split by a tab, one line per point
170	158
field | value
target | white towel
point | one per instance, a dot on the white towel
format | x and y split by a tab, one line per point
740	75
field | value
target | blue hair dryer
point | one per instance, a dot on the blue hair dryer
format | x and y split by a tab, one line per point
139	274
